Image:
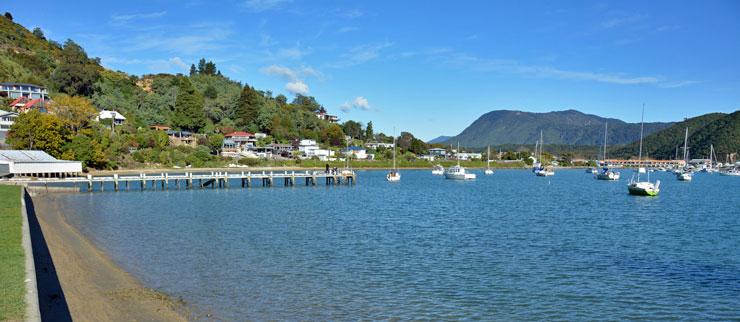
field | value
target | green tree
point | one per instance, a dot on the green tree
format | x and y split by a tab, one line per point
353	129
333	135
76	73
369	135
201	65
248	109
75	112
209	68
38	33
87	150
210	92
37	131
193	71
8	16
188	113
215	142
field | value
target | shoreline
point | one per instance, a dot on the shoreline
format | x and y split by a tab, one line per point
94	287
287	168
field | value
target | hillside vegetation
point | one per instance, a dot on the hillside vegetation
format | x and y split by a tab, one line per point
562	127
718	129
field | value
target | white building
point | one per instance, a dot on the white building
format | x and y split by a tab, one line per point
106	115
355	152
468	156
375	145
27	163
440	152
7	119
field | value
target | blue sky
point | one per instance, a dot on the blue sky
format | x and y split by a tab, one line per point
429	67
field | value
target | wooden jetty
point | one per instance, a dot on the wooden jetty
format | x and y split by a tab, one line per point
191	180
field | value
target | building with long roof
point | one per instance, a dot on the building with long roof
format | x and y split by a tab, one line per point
35	163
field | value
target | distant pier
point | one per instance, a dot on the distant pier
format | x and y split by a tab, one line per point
191	180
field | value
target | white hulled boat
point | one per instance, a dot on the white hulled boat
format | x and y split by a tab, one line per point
488	162
637	187
606	173
685	174
438	170
539	169
458	172
394	175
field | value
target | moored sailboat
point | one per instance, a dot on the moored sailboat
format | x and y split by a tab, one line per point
438	170
488	170
394	175
685	174
637	187
606	173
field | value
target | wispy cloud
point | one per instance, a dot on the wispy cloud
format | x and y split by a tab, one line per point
124	19
264	5
297	87
359	102
515	67
623	20
170	65
362	54
199	39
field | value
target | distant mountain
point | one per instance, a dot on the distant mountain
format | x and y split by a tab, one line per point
718	129
439	139
569	127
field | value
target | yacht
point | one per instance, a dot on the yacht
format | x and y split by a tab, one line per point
393	175
606	173
457	172
438	170
488	163
685	174
637	187
735	172
539	169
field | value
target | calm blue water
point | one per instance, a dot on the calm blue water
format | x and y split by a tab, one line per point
507	246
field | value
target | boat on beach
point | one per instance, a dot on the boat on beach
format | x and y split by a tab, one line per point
635	186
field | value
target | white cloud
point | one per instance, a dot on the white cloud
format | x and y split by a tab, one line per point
358	103
171	65
294	77
678	84
124	19
264	5
178	62
297	87
362	54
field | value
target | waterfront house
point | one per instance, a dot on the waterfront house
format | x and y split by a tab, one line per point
107	116
284	150
355	152
237	142
38	164
376	145
464	156
438	152
18	90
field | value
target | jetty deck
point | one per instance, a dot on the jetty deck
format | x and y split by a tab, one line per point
190	180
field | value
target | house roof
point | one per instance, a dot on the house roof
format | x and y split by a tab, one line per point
354	148
26	156
6	113
20	84
179	133
238	133
105	114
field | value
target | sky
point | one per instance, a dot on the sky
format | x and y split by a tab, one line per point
429	67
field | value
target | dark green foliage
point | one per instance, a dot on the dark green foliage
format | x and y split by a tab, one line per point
188	113
193	71
210	92
721	130
369	135
353	129
8	16
308	103
407	142
38	33
247	111
563	127
76	73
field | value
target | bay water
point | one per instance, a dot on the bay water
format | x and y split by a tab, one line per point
502	247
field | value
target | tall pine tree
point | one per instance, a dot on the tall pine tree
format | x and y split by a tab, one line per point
248	109
188	113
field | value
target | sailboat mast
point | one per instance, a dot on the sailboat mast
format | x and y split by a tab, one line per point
639	155
605	129
394	149
685	152
457	155
488	158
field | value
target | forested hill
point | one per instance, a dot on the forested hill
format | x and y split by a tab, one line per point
718	129
203	101
569	127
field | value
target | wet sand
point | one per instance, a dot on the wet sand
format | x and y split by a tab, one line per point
91	287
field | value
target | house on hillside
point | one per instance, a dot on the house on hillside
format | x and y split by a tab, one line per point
160	127
238	142
438	152
19	90
24	104
376	145
327	117
107	116
7	119
178	138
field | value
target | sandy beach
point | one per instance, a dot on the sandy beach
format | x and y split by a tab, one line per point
93	287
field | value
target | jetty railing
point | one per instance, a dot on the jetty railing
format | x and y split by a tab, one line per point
190	180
